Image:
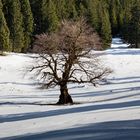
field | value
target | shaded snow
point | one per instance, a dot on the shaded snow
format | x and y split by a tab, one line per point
109	111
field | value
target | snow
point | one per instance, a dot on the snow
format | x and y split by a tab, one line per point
110	111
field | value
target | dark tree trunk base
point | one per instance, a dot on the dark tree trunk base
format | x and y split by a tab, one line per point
65	99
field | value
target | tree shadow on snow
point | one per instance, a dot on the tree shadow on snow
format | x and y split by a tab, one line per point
113	130
18	83
107	92
115	81
34	115
122	50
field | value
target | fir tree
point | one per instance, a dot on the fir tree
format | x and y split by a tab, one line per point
61	9
37	15
93	13
4	32
128	26
28	22
114	15
15	23
49	16
105	28
81	8
71	9
134	26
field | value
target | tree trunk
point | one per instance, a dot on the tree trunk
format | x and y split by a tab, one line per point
64	97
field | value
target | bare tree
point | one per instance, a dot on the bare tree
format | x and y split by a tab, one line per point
67	56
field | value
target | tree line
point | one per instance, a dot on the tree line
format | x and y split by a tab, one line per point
21	20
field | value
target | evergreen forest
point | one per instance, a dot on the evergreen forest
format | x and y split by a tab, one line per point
21	20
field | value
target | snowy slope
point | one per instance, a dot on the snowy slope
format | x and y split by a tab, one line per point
109	111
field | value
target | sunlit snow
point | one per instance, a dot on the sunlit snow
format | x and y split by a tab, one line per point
110	111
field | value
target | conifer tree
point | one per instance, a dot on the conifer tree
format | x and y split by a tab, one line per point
134	26
28	22
127	28
127	6
81	8
114	15
71	9
4	32
105	28
15	23
60	9
49	16
120	19
93	13
37	15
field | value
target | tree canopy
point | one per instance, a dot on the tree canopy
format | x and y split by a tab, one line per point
67	56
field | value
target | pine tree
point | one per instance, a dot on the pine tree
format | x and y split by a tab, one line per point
15	23
127	28
71	9
120	19
114	15
93	13
4	32
126	6
105	27
28	22
134	26
60	9
37	15
49	17
81	8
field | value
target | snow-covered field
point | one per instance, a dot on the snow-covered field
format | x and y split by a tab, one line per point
109	111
